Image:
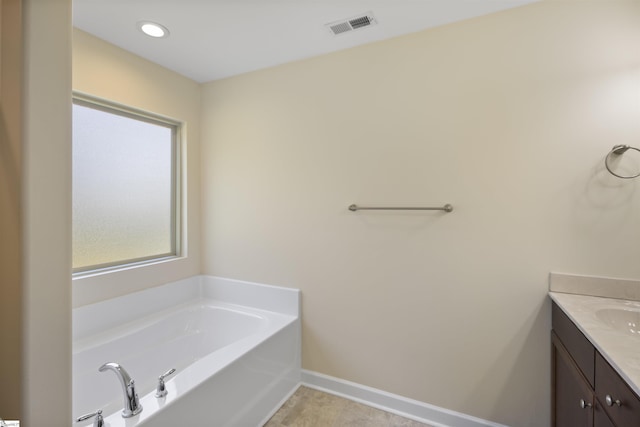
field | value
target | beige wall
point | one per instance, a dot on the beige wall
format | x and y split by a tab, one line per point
10	208
508	117
103	70
46	376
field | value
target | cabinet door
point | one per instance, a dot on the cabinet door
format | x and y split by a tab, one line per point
623	406
573	398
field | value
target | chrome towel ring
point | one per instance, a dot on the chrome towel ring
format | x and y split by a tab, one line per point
619	150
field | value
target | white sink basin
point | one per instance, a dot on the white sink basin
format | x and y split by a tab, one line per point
626	320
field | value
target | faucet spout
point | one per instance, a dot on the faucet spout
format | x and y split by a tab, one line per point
131	402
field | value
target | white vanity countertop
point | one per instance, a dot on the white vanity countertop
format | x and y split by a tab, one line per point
621	348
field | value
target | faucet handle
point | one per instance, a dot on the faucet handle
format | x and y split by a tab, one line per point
161	391
98	421
166	374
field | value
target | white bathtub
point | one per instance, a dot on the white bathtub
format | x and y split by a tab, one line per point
235	346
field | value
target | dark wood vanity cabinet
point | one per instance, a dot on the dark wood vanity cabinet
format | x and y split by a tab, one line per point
586	390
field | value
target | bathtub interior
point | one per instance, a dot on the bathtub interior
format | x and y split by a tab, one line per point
193	336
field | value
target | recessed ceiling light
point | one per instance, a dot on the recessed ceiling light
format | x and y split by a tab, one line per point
153	29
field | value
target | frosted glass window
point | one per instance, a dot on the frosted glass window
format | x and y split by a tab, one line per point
124	187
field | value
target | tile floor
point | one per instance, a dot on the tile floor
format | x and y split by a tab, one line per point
312	408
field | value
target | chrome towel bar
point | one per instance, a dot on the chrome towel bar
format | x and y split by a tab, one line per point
446	208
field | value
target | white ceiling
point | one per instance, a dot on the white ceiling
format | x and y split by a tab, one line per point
213	39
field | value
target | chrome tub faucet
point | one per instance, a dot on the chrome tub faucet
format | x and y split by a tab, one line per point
131	403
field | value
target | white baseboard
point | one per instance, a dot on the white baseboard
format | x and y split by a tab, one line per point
405	407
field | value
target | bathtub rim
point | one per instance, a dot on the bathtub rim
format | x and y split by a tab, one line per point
91	318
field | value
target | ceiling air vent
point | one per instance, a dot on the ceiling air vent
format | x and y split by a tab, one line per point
346	25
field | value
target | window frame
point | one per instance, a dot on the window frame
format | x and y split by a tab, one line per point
177	231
